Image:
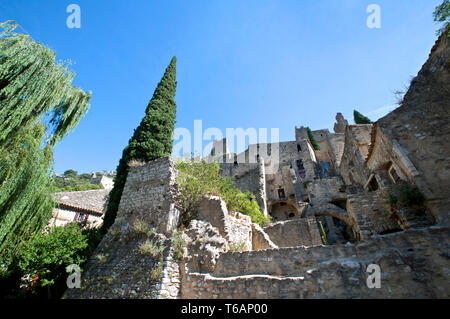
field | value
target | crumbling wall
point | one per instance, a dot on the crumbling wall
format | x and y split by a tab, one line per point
353	168
421	127
248	177
119	268
293	233
370	216
234	227
414	264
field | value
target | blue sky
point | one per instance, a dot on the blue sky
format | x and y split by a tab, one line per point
241	63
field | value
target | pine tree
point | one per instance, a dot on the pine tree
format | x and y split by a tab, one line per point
152	139
39	106
361	119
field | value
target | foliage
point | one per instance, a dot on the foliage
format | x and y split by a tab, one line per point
197	180
312	139
71	181
360	119
46	256
392	199
152	139
240	247
412	196
442	15
39	106
179	243
152	248
32	88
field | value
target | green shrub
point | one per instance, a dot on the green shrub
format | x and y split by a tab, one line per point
412	196
179	243
197	180
46	256
360	119
151	248
312	139
392	199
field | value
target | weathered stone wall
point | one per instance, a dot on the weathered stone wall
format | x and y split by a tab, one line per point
421	127
293	233
414	264
369	215
353	168
248	177
234	227
149	194
119	268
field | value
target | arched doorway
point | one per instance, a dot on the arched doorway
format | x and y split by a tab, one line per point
283	210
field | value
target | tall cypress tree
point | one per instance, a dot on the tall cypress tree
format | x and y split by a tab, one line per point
152	139
361	119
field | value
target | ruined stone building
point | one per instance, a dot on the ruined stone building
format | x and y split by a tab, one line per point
372	195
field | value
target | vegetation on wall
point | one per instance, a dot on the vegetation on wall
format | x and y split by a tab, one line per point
39	106
152	139
312	139
361	119
197	180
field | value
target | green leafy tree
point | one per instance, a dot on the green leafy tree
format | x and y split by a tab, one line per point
312	139
360	119
46	256
197	180
442	15
152	139
39	106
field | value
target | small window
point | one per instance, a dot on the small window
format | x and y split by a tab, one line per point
299	148
81	217
373	185
394	175
291	215
281	193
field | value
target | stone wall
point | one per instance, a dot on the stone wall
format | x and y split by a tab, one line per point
234	227
293	233
414	264
421	127
119	267
248	177
353	168
149	194
370	215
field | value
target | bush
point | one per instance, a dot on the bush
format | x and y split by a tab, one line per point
45	256
412	196
360	119
312	139
197	180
